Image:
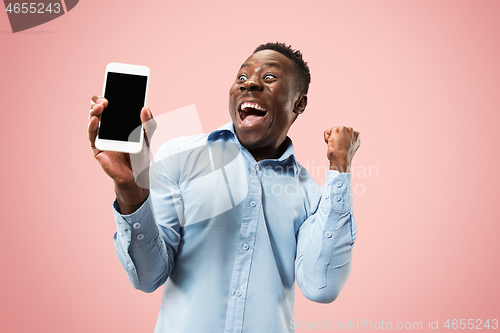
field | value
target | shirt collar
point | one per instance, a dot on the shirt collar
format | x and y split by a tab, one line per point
225	128
288	154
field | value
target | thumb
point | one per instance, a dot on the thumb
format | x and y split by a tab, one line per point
149	123
327	134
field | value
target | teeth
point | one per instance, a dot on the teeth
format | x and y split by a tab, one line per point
253	105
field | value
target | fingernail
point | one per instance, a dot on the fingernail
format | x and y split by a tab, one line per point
150	114
100	100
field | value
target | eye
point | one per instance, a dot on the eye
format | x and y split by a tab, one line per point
269	76
242	77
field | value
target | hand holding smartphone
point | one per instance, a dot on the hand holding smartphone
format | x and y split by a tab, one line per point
115	129
120	127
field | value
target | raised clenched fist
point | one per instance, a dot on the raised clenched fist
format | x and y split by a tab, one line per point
343	142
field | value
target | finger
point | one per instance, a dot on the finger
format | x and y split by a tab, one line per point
327	134
96	110
92	128
149	124
358	143
345	130
99	99
97	105
148	120
146	114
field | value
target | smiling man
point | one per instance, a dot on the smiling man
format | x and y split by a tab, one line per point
232	220
264	101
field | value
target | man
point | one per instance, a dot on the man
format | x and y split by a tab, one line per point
228	230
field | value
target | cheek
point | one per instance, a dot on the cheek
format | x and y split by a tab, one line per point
285	102
285	97
233	90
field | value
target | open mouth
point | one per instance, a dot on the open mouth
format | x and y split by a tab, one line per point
251	113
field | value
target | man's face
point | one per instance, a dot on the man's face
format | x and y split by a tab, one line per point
262	100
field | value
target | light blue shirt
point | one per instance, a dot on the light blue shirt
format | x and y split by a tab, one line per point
227	236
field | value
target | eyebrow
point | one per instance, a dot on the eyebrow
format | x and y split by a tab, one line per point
267	64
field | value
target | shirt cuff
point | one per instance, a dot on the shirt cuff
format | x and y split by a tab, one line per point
138	227
338	190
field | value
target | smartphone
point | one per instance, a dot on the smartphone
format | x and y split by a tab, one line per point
126	89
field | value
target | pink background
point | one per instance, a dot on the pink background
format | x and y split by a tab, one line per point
419	79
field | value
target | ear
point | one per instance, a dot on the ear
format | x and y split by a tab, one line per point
300	104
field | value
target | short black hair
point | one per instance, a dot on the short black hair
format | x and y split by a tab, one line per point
302	74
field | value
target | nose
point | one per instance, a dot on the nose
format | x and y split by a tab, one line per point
251	85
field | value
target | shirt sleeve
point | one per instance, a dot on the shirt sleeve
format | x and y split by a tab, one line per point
145	248
147	240
325	240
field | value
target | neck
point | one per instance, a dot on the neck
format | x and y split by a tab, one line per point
267	153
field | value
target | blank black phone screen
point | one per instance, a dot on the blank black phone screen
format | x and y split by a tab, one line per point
125	94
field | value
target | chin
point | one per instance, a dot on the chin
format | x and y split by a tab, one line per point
248	143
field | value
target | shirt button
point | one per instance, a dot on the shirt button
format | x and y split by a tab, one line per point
130	266
257	167
326	196
136	225
245	247
253	204
337	198
328	234
238	293
339	184
140	236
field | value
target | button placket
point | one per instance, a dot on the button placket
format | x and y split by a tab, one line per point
246	240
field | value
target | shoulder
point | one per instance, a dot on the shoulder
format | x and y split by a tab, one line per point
180	144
